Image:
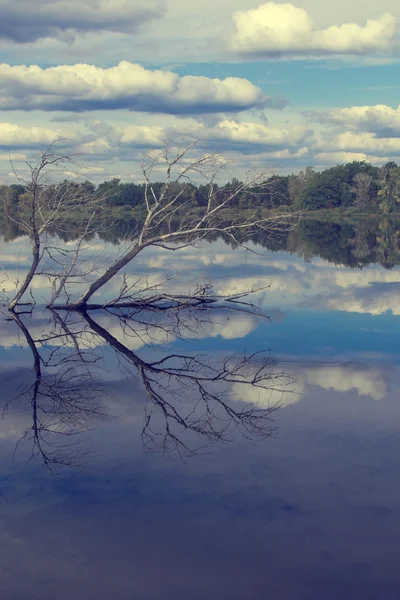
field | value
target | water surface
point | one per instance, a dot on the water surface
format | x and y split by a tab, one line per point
311	510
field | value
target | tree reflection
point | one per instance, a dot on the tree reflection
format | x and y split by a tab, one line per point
362	241
188	397
65	396
192	393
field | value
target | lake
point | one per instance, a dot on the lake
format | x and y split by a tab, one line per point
137	463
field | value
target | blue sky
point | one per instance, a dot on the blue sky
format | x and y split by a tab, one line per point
319	84
277	85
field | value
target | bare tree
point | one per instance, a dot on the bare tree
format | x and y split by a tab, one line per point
172	222
47	205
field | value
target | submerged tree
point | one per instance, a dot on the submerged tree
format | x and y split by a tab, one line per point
171	220
46	206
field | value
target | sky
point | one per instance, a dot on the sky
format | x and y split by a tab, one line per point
276	85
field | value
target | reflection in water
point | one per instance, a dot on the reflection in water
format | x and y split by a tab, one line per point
188	396
65	393
313	514
355	243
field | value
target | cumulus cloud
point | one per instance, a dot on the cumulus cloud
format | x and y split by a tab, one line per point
355	141
243	134
335	158
277	29
18	136
226	135
101	142
84	87
382	120
22	22
13	156
142	135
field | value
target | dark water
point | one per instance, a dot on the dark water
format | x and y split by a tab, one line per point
306	506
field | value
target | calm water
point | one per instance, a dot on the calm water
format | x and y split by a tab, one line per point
310	510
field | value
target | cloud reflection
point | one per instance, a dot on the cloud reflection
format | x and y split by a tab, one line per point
292	385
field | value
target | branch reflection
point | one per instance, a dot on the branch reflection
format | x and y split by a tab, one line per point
65	395
190	399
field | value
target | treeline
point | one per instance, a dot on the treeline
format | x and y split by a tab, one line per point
354	244
355	185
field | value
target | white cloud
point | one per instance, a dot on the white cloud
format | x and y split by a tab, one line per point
142	135
97	148
380	119
331	158
84	87
353	141
22	22
96	140
258	134
227	135
275	29
18	136
327	159
15	156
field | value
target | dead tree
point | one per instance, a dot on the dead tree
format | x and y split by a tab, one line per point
172	222
46	206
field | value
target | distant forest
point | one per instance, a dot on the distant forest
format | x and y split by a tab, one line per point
358	186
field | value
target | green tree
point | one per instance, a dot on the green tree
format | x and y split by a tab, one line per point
389	187
111	190
297	183
334	187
